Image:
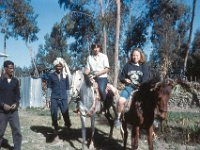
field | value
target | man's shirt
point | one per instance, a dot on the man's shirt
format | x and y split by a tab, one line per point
9	91
97	63
58	86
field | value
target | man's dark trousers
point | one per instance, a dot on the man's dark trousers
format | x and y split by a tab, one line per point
63	105
13	119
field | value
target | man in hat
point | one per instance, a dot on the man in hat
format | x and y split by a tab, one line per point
58	86
9	102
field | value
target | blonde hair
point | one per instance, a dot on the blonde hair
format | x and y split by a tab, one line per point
142	57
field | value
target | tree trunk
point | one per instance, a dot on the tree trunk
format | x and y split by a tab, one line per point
104	28
190	37
36	73
116	70
4	45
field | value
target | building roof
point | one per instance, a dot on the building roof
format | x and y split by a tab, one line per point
3	55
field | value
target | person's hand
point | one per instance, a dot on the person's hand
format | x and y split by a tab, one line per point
6	107
92	75
13	106
128	81
137	86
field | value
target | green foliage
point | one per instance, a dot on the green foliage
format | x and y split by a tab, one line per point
19	20
22	72
193	66
187	120
55	46
169	28
136	34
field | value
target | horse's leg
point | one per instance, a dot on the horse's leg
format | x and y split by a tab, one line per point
150	137
83	130
91	144
125	134
135	137
110	121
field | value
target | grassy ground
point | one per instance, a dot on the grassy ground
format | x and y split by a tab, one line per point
38	134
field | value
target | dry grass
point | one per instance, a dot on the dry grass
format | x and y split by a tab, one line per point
38	134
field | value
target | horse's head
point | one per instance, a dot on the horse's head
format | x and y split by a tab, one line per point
162	92
77	79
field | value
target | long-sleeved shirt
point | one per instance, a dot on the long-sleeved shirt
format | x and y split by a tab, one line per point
58	86
9	92
136	73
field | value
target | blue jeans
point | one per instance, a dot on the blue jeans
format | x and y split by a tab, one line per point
102	83
126	92
62	104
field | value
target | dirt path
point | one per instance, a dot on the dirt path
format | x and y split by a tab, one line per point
38	135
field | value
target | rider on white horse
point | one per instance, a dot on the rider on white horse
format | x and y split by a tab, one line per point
97	64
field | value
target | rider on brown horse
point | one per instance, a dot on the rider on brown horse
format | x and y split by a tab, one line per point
133	74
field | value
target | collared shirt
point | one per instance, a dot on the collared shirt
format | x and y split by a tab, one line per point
9	91
97	63
58	86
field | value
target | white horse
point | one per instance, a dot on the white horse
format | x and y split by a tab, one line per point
88	93
83	87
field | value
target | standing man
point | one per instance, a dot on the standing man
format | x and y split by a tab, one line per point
97	64
58	86
9	102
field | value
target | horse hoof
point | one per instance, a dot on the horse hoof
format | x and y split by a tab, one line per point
91	146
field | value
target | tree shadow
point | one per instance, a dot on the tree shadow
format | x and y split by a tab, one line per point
6	145
71	135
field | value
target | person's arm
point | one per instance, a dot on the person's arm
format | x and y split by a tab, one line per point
104	71
106	67
87	66
49	87
17	97
123	73
145	71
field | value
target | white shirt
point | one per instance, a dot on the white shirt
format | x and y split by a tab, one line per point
97	63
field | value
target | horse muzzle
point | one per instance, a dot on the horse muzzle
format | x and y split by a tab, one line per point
161	114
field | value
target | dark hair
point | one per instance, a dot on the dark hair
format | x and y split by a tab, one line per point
7	63
95	45
142	57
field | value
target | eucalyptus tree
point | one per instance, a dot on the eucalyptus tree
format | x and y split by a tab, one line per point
190	37
136	35
55	46
19	20
193	66
166	17
80	26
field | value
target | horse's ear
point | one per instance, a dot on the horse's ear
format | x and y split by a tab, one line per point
156	86
170	82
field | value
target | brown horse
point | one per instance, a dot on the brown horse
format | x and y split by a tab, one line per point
148	103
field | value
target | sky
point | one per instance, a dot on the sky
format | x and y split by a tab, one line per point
49	13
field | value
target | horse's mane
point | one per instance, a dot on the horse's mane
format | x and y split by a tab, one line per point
144	90
87	80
